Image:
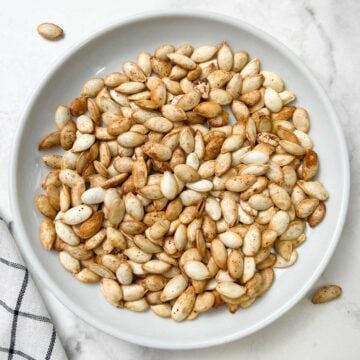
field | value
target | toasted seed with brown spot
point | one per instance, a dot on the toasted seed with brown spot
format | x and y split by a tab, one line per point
183	305
78	106
182	61
306	207
116	211
43	205
157	151
160	67
284	248
92	225
279	196
204	53
50	140
114	181
314	189
251	98
240	182
186	173
326	294
318	215
235	264
301	119
131	139
68	262
139	173
119	126
112	291
218	78
213	148
196	270
47	234
230	289
208	109
219	253
87	276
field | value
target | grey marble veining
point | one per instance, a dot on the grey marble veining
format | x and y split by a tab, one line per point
325	35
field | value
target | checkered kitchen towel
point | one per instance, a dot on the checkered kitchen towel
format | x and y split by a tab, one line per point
26	330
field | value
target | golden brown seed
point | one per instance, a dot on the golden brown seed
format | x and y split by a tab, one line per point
204	53
78	106
230	289
68	135
159	229
267	263
225	57
160	67
53	196
218	78
189	100
301	119
208	109
314	189
43	205
156	267
306	207
139	173
50	140
69	263
240	182
87	276
252	241
91	226
251	98
47	234
111	291
284	248
240	111
279	222
134	72
182	61
177	73
240	60
223	163
219	253
318	215
94	111
235	264
157	151
183	305
279	196
310	165
119	126
196	270
326	294
229	211
213	148
186	173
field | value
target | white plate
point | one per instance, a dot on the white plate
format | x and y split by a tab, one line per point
102	53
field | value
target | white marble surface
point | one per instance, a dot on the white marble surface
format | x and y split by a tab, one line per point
325	35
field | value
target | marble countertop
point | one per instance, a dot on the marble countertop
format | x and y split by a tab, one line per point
324	34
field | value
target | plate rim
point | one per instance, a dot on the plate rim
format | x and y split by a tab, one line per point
37	268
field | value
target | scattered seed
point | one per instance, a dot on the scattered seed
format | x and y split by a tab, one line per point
50	31
326	294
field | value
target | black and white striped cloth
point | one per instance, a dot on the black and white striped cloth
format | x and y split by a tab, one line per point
26	330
